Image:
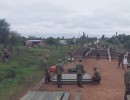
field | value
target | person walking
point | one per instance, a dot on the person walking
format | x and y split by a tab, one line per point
120	60
80	72
59	69
46	70
127	81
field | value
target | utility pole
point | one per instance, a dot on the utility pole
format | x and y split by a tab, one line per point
116	34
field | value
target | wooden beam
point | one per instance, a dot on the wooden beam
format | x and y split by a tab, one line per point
78	95
128	97
66	96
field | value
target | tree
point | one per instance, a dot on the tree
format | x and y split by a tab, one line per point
31	37
83	39
103	37
4	32
50	41
14	38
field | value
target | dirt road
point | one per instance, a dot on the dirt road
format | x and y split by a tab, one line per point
110	88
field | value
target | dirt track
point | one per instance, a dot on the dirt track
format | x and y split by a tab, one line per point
110	88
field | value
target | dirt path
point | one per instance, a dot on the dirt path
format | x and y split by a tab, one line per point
110	88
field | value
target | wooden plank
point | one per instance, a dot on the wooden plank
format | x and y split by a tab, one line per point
128	97
59	96
47	96
66	96
53	96
42	95
31	95
56	96
72	82
109	54
37	95
78	95
73	76
72	79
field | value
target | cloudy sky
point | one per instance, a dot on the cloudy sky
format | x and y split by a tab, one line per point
67	18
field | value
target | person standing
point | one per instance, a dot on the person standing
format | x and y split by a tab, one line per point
120	60
70	55
59	69
80	72
98	55
96	76
125	61
46	70
127	81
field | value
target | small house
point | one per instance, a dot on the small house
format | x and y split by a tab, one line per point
34	43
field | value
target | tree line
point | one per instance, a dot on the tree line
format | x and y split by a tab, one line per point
8	37
11	38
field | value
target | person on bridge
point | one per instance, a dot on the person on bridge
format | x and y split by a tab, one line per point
80	72
46	70
59	69
120	60
96	76
127	81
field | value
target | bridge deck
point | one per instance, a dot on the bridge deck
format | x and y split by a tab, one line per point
72	79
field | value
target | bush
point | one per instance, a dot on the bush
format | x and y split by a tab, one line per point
127	44
8	73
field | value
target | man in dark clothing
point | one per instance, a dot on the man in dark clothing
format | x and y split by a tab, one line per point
127	81
96	76
80	72
120	60
70	55
46	70
59	69
98	55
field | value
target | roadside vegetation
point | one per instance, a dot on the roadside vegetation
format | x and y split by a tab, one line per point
25	69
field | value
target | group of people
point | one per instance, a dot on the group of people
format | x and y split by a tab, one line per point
59	69
96	78
98	45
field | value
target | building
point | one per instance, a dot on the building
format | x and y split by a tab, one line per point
34	43
62	42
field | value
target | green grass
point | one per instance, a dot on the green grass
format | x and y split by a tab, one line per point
25	69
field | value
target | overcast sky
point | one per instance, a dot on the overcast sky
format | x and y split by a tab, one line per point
53	18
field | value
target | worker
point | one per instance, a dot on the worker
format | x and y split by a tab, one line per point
59	69
46	70
96	76
80	72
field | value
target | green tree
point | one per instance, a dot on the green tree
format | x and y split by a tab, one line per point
50	41
14	38
4	32
103	37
